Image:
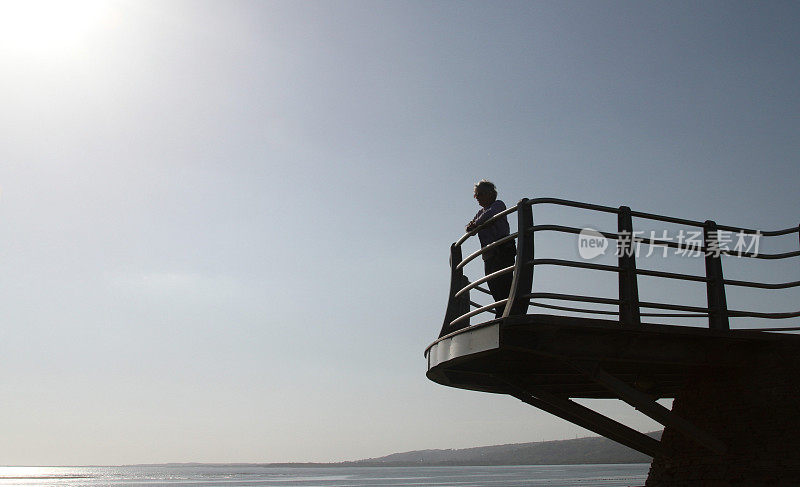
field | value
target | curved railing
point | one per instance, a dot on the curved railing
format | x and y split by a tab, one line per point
629	308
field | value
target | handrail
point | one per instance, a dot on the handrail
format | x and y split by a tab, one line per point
482	250
575	310
521	294
572	297
761	285
464	289
654	242
668	275
479	310
756	314
491	220
654	216
609	312
636	214
483	290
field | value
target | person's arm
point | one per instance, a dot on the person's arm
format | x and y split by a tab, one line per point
496	207
471	225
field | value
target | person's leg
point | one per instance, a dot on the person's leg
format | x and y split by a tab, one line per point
499	286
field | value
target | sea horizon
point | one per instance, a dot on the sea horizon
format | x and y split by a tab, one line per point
343	464
602	475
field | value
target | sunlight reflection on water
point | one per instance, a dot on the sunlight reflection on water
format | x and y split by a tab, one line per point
236	475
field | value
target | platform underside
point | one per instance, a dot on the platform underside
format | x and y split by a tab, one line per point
551	354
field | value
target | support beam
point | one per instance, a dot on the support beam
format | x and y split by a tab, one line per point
523	273
573	412
629	314
715	286
647	405
456	306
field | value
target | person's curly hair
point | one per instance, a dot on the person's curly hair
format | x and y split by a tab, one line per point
484	186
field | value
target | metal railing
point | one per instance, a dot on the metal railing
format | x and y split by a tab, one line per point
629	307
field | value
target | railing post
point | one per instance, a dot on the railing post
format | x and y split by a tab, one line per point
523	273
628	286
460	305
715	286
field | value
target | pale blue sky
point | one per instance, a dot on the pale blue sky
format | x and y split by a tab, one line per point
225	225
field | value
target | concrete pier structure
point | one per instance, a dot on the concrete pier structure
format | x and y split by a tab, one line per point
736	390
753	410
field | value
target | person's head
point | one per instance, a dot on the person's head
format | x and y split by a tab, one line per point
485	192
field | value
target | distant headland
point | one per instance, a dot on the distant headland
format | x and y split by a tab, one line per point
590	450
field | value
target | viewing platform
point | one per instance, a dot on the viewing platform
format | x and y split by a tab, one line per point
608	347
554	353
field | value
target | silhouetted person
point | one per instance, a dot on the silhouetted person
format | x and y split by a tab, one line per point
498	257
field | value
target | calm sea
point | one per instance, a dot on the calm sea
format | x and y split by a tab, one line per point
208	476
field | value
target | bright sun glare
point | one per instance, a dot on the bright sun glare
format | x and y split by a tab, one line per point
48	26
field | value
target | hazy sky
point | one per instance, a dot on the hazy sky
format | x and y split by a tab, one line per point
225	224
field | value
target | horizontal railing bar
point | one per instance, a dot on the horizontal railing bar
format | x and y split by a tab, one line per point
478	311
572	263
788	328
605	312
484	224
677	307
760	255
775	233
483	290
571	297
654	216
727	228
502	271
664	243
473	303
615	236
674	315
612	268
577	310
482	250
731	313
565	229
574	204
671	275
763	233
667	219
654	242
761	285
701	312
756	314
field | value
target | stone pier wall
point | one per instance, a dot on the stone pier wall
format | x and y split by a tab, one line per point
754	410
